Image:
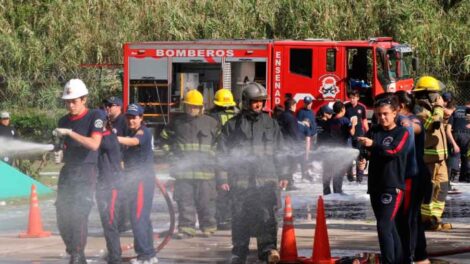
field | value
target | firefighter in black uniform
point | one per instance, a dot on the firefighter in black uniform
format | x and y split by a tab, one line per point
108	191
113	107
250	142
6	131
190	139
461	133
139	180
224	110
387	143
82	129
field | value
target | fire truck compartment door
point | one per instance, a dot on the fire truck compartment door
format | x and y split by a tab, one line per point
148	68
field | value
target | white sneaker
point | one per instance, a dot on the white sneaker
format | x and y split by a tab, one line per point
135	261
153	260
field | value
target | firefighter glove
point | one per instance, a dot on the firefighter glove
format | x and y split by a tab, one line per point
62	132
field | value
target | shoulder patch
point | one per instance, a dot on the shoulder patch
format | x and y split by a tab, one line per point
387	141
98	123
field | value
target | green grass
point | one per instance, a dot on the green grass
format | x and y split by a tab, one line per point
43	42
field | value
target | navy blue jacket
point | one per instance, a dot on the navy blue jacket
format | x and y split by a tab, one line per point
289	127
307	114
109	161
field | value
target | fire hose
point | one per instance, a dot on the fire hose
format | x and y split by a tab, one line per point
167	234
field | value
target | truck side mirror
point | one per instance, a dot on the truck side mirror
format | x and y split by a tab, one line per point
415	64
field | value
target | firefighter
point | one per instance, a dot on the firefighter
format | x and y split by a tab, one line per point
108	191
224	110
427	93
407	217
113	108
339	129
387	143
355	109
6	131
139	180
308	125
461	133
293	137
190	139
81	129
250	143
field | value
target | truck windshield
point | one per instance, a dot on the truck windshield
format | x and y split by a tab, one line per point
400	62
406	65
392	64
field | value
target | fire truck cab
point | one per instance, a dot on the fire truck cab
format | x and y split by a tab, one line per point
158	74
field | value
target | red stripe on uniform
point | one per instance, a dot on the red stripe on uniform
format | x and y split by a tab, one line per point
140	200
400	145
79	116
97	133
112	206
406	204
397	205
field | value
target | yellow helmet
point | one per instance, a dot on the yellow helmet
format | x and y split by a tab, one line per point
224	98
427	84
194	97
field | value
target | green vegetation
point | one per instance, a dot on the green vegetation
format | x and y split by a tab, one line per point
43	42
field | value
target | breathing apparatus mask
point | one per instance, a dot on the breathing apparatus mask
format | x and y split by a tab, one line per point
427	99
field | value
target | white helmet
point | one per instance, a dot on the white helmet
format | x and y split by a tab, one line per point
75	88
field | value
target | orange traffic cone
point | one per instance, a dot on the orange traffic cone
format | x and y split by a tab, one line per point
288	244
35	224
321	245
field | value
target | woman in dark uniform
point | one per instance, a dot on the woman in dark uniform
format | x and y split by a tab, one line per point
387	144
140	179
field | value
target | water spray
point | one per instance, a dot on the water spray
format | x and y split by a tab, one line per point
14	147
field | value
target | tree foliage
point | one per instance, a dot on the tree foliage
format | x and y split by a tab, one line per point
43	42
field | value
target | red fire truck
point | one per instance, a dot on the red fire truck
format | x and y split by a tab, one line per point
157	74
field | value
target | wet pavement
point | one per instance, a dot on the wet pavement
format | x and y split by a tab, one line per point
351	229
346	239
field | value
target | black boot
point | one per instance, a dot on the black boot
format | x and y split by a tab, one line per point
237	260
77	258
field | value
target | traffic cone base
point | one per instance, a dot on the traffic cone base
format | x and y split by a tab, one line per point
304	260
37	235
35	229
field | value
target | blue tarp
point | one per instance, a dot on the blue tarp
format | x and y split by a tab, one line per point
15	184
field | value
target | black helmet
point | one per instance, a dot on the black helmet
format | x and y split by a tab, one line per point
253	91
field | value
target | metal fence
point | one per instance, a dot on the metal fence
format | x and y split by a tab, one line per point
461	92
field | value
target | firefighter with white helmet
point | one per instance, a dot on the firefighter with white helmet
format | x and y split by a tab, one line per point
224	110
189	140
428	96
81	130
252	141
